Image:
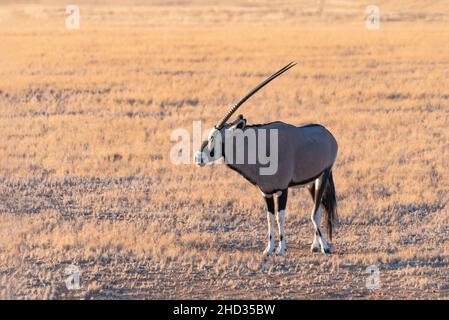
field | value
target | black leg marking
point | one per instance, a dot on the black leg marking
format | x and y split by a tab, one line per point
282	200
270	204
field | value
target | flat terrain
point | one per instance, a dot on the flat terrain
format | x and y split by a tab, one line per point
86	177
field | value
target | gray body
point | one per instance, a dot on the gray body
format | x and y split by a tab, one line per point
304	153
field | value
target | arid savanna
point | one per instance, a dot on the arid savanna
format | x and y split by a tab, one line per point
86	178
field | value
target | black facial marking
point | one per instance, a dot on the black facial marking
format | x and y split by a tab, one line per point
281	237
318	232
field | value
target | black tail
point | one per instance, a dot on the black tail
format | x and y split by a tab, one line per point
330	204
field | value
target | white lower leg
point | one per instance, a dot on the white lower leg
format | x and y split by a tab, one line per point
280	218
315	247
324	245
318	240
316	220
270	247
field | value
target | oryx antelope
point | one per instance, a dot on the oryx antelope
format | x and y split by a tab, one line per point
306	155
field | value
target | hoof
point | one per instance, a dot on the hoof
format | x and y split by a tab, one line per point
268	251
315	249
280	251
326	250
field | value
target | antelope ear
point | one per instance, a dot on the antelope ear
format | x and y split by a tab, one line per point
240	123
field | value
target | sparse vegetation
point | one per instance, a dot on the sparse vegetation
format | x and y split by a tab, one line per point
85	173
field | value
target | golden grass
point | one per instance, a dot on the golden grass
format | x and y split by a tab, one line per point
86	178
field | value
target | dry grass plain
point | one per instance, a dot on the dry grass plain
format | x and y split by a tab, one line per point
86	177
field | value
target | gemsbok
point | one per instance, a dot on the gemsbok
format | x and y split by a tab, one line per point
305	156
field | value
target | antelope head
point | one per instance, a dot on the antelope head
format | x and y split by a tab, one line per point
210	149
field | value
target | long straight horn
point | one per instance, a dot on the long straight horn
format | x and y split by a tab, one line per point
249	94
